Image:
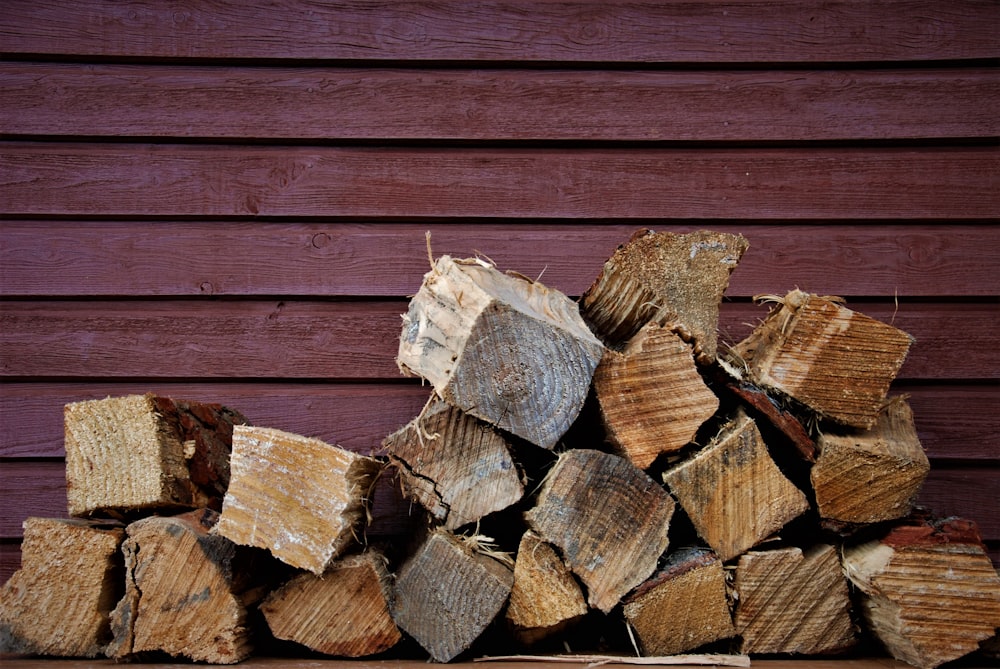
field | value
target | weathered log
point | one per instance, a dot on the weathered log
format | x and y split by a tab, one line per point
448	593
59	601
300	498
793	601
651	396
454	465
145	452
683	606
733	491
608	519
930	593
873	475
344	612
837	362
503	348
668	279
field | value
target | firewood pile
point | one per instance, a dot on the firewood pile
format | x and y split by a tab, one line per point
594	476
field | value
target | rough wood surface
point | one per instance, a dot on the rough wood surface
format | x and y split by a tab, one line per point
343	612
608	519
793	601
503	348
733	491
683	606
302	499
59	601
146	452
651	397
448	593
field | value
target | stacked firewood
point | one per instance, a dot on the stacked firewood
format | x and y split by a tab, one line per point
600	476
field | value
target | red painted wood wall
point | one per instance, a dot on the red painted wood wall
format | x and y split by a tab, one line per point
227	202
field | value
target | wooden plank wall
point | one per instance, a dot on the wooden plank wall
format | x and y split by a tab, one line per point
227	201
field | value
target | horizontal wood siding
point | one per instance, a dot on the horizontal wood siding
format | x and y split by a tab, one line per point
228	201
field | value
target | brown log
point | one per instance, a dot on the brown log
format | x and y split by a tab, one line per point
448	593
505	349
665	278
793	601
454	465
733	491
146	452
683	606
837	362
545	598
300	498
344	612
608	519
59	601
930	592
651	396
873	475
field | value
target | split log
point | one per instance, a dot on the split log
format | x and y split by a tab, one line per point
545	598
145	452
930	593
502	348
186	592
300	498
448	593
835	361
668	279
651	396
733	491
608	519
874	475
683	606
454	465
59	601
793	601
344	612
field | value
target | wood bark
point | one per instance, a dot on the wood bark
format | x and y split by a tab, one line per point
300	498
793	601
929	591
146	452
503	348
59	601
733	491
454	465
607	518
344	612
683	606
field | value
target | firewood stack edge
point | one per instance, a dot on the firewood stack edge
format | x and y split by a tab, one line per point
595	476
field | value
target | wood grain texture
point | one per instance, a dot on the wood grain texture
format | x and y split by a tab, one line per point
801	184
513	30
156	101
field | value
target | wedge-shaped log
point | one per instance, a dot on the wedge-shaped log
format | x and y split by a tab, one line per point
683	606
651	396
302	499
664	278
344	612
838	362
454	465
793	601
930	593
733	491
59	601
186	591
872	475
502	348
448	593
545	599
607	518
146	452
